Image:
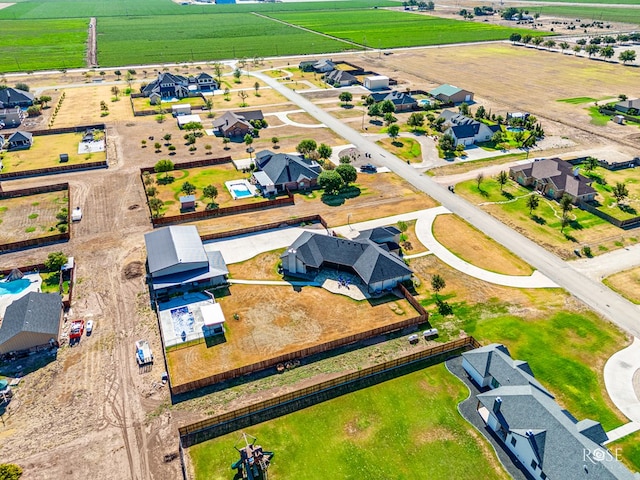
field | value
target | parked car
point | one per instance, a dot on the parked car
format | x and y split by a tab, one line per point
368	168
89	327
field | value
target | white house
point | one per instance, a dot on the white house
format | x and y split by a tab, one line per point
465	130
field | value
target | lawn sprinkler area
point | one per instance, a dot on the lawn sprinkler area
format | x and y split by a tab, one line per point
241	189
182	319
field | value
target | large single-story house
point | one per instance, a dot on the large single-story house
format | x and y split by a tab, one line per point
465	130
20	141
401	100
33	320
169	85
284	171
340	78
12	97
547	440
236	124
11	117
625	105
554	178
177	261
378	268
451	94
389	236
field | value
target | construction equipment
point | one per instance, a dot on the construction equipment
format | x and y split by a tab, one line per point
76	330
143	353
254	462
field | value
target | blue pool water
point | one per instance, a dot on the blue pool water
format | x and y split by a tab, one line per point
10	288
515	129
241	191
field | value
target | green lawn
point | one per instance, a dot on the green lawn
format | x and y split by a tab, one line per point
405	148
626	15
598	118
577	100
627	449
605	180
386	29
393	430
42	44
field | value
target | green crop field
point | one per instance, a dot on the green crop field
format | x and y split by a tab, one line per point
161	39
405	428
387	29
42	44
615	2
626	15
34	9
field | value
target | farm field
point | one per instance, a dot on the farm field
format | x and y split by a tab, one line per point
477	249
353	433
387	29
143	40
42	44
45	153
274	320
624	15
33	216
530	322
626	283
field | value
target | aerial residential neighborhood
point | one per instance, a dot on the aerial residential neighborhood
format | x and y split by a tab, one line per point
324	240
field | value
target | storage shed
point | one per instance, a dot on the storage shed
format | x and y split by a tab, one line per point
376	82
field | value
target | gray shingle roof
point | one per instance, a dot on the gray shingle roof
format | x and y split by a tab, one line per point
20	135
371	262
378	233
397	98
10	97
560	173
340	76
215	267
562	450
284	168
170	246
35	312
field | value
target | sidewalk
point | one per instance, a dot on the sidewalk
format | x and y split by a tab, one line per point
618	378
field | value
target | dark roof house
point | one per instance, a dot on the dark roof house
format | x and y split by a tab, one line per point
20	141
340	78
236	124
11	117
169	85
554	178
625	105
12	97
466	130
286	171
401	100
378	268
177	259
31	321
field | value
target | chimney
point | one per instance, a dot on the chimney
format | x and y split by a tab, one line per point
496	404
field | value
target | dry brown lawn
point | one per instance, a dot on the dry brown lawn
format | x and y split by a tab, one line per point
45	153
302	117
307	76
274	320
261	267
475	247
266	96
626	283
383	195
81	106
412	240
33	216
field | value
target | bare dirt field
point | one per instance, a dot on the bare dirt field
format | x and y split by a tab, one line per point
383	194
626	283
274	320
81	106
33	216
477	248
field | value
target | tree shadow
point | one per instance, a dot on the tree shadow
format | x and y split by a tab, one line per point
335	200
444	308
570	237
538	220
507	195
397	143
627	209
483	192
576	225
347	106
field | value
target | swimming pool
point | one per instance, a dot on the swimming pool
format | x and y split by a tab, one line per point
16	286
240	189
515	129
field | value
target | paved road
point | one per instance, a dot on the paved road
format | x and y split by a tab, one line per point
609	263
601	299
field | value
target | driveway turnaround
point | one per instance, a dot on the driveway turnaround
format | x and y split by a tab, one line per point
609	263
618	378
598	297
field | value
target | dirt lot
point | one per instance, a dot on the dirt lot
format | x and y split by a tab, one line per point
275	320
626	283
32	216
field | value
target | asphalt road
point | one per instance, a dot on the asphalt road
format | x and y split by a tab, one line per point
593	293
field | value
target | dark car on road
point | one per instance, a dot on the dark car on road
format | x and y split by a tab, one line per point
368	168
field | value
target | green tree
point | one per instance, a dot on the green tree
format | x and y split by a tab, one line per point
118	74
248	139
237	73
464	108
446	143
532	202
620	191
537	41
526	38
627	56
515	37
592	49
33	111
324	151
481	113
348	173
256	87
437	284
345	97
226	141
498	137
163	166
503	178
550	43
415	121
479	180
10	471
607	52
387	107
55	261
22	86
389	118
305	147
393	130
188	188
564	222
157	146
330	181
275	141
217	69
152	191
566	204
210	192
563	46
155	204
44	99
591	163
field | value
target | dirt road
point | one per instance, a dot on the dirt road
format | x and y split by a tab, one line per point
92	44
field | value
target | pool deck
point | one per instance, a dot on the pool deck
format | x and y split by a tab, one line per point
192	300
34	286
251	188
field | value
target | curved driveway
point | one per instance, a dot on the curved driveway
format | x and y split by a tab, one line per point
601	299
618	378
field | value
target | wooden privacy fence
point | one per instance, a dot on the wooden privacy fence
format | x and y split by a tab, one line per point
227	422
23	192
412	300
628	223
266	226
203	162
305	352
54	170
80	128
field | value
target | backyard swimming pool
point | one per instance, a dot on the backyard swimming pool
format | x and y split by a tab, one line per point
240	189
515	129
16	286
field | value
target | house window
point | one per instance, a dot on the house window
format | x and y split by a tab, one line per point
513	441
534	465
